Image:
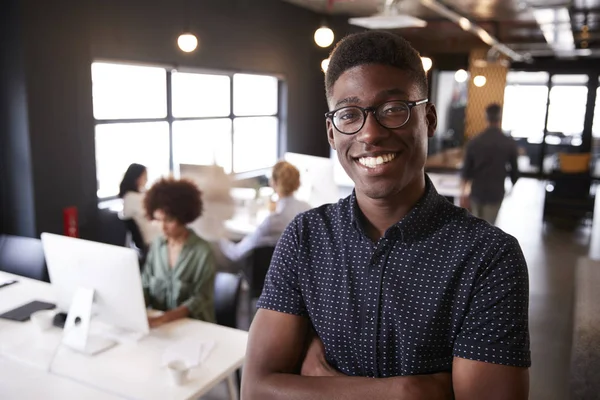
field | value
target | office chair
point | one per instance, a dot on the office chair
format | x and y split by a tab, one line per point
227	296
255	272
137	240
23	256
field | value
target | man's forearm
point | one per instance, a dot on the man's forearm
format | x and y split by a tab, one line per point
296	387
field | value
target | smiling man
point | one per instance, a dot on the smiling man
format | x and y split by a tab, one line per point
393	292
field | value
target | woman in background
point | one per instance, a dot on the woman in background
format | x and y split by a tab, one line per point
131	191
179	274
285	180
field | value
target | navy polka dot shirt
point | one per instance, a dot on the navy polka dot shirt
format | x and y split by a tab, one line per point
439	284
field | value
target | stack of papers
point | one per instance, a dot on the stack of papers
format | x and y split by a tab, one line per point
191	352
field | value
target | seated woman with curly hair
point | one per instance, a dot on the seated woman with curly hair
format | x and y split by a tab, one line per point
179	274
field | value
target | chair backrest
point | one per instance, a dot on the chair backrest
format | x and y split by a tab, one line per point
256	269
23	256
227	296
136	234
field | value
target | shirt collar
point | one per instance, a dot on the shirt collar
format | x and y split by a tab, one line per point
420	220
283	202
192	238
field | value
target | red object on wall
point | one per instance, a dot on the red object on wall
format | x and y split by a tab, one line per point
70	222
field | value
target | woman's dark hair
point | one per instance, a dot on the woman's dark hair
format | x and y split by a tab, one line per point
178	198
129	182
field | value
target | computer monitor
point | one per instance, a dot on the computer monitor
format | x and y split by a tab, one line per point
317	185
112	272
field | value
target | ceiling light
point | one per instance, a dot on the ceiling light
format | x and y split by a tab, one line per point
325	64
465	24
382	21
479	81
187	42
461	76
324	36
427	63
584	44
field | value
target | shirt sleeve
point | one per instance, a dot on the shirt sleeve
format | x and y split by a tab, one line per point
147	273
237	251
495	328
201	301
281	291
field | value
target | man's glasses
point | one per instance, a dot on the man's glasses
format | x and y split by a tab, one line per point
391	114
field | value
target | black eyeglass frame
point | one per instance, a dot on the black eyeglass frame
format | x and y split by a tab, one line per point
374	110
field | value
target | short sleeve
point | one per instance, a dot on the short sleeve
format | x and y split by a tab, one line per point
281	291
495	328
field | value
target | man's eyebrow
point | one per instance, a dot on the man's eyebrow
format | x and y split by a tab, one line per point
393	91
347	100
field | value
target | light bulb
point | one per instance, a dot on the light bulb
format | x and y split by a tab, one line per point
479	80
187	42
324	37
461	75
427	63
325	64
465	24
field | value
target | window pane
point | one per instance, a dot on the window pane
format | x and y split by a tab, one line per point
596	125
128	91
570	79
203	142
567	109
254	95
254	143
201	95
524	111
118	145
521	77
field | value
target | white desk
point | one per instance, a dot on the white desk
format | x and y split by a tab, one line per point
131	371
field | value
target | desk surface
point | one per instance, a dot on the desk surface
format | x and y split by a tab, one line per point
129	370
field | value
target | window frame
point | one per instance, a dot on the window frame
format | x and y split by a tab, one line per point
170	119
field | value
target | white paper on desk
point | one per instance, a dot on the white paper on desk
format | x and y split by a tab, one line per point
191	352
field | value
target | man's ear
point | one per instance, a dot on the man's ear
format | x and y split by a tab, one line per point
330	137
431	117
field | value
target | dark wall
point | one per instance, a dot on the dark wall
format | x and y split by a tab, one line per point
63	37
16	177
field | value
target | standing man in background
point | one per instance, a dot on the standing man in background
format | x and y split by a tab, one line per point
485	168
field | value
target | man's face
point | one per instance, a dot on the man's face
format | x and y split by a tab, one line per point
403	149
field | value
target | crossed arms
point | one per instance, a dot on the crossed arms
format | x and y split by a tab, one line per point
278	366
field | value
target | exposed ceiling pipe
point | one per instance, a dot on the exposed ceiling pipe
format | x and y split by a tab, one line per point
469	26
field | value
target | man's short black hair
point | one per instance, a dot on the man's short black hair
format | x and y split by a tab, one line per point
493	112
374	47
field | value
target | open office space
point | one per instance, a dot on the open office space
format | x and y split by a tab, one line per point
213	95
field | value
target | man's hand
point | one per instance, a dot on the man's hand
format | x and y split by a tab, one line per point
314	363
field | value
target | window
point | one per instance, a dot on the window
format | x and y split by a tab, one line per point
568	99
525	100
231	120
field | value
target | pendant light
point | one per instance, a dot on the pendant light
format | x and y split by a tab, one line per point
187	41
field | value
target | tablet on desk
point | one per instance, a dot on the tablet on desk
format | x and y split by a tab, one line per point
23	312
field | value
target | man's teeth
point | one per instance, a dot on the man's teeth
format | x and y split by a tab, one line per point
372	162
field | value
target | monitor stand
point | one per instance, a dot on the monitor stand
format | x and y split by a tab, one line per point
76	334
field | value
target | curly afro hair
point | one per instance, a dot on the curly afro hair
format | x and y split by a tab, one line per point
374	47
179	199
286	177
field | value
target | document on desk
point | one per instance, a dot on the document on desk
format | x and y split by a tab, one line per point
33	348
191	352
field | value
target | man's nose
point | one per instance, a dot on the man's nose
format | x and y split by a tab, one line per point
372	131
